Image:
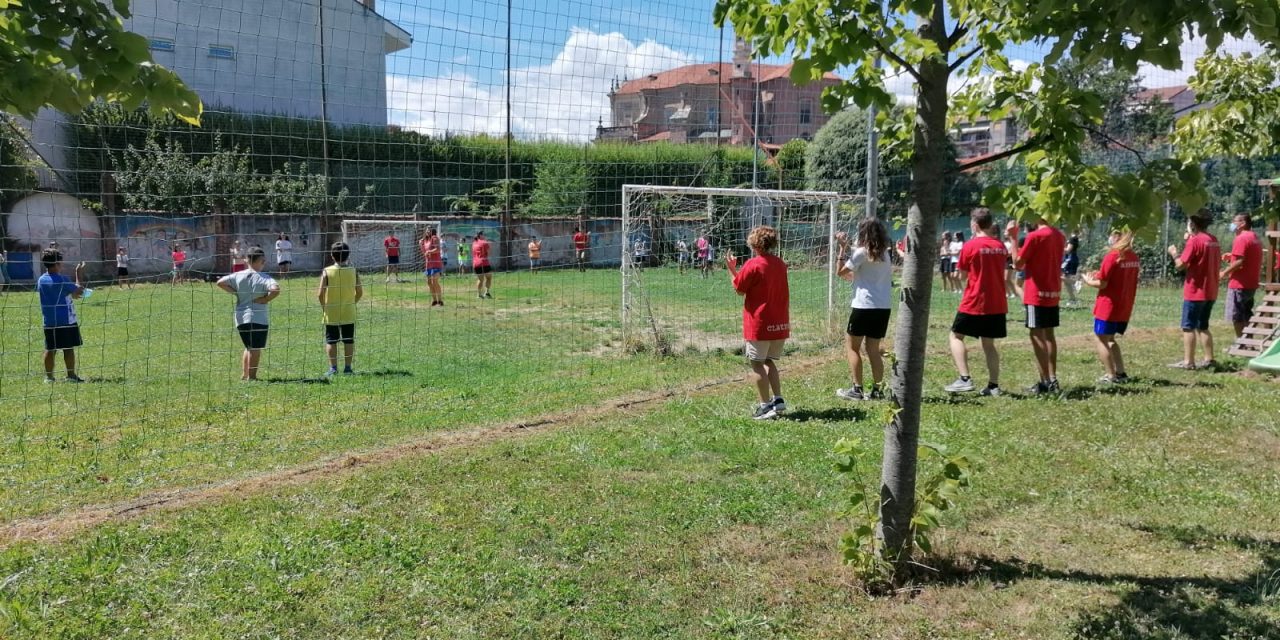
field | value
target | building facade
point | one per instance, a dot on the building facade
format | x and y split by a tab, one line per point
738	103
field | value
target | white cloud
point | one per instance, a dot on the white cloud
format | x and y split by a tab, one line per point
564	99
1192	50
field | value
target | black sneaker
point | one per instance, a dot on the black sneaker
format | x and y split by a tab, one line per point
991	392
877	392
1037	389
1053	386
1122	378
764	411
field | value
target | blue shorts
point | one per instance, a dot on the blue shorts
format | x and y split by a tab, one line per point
433	272
1105	328
1195	314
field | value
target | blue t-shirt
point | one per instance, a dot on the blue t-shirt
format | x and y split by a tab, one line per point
55	292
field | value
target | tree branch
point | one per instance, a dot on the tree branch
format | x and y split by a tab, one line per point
1138	154
897	59
964	57
959	32
979	161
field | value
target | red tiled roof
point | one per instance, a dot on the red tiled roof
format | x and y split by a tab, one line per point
705	74
1164	94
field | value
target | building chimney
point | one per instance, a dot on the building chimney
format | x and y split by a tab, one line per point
741	58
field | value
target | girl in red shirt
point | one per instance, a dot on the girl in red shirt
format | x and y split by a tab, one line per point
766	319
1117	284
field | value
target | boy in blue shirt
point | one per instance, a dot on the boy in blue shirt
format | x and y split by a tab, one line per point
61	327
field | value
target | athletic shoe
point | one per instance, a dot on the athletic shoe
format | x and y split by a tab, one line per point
765	411
348	372
991	392
49	381
1207	364
959	386
74	378
1053	386
1183	364
333	371
850	394
1108	379
1122	378
488	296
877	392
1037	389
779	406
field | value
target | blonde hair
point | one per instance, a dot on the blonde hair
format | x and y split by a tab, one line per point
1124	243
763	239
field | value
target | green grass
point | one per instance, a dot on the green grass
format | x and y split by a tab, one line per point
1145	511
165	407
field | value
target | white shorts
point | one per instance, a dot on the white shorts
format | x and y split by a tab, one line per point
761	350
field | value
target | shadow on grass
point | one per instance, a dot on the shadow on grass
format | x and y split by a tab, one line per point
104	379
954	399
835	414
1162	383
386	373
1160	607
296	380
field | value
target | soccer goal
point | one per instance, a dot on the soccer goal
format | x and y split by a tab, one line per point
676	294
368	253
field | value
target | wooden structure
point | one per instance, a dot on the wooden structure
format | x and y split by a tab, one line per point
1264	326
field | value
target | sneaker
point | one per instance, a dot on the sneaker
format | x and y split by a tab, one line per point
991	392
348	372
779	405
1183	364
49	381
1207	364
1037	389
877	392
1108	379
764	411
959	386
333	371
1053	386
74	378
488	296
850	394
1122	378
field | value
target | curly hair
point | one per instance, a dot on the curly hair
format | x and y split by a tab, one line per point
873	237
763	239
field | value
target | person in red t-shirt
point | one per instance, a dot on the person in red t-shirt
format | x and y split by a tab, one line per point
1199	260
581	245
1040	260
481	266
1244	270
766	316
983	307
391	244
1117	284
433	259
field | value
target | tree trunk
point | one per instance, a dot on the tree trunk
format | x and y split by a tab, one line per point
911	333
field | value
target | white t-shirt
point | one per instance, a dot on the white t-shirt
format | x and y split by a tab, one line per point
284	251
122	261
872	281
954	250
250	284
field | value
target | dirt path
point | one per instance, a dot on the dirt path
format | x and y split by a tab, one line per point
59	526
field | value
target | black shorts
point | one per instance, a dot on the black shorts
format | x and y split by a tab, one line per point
483	270
945	265
1240	305
122	271
335	333
393	259
253	335
1041	317
974	326
868	323
56	338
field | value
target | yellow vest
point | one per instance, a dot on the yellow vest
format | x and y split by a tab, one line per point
340	294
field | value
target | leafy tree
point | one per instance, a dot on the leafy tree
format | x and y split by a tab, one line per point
68	53
837	159
17	173
933	40
789	165
561	185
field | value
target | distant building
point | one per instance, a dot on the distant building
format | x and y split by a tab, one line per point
736	103
305	58
985	137
1181	99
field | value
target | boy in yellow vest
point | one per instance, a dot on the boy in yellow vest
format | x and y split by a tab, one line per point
340	290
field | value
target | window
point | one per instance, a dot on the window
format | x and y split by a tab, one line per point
160	44
222	52
806	112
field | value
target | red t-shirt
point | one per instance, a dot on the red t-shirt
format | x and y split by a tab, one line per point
1246	247
1042	255
1201	255
480	253
580	241
179	257
392	245
984	258
1120	272
431	253
766	312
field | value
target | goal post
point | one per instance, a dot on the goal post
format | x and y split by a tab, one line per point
365	238
672	300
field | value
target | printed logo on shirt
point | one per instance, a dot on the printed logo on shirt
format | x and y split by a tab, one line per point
774	328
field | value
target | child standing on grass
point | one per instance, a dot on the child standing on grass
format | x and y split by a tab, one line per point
340	290
1117	284
61	327
122	268
870	270
253	291
766	316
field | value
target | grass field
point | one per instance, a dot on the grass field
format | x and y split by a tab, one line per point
1145	511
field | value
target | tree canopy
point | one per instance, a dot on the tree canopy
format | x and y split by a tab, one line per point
68	53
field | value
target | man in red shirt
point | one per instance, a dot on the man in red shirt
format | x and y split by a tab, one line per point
983	306
481	267
1244	270
1117	283
1040	260
1199	260
581	244
391	244
766	316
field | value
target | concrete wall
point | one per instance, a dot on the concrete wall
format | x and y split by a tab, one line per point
43	218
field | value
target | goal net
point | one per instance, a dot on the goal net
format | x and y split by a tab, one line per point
368	251
676	294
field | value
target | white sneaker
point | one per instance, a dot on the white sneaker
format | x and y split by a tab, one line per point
850	394
765	411
959	386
